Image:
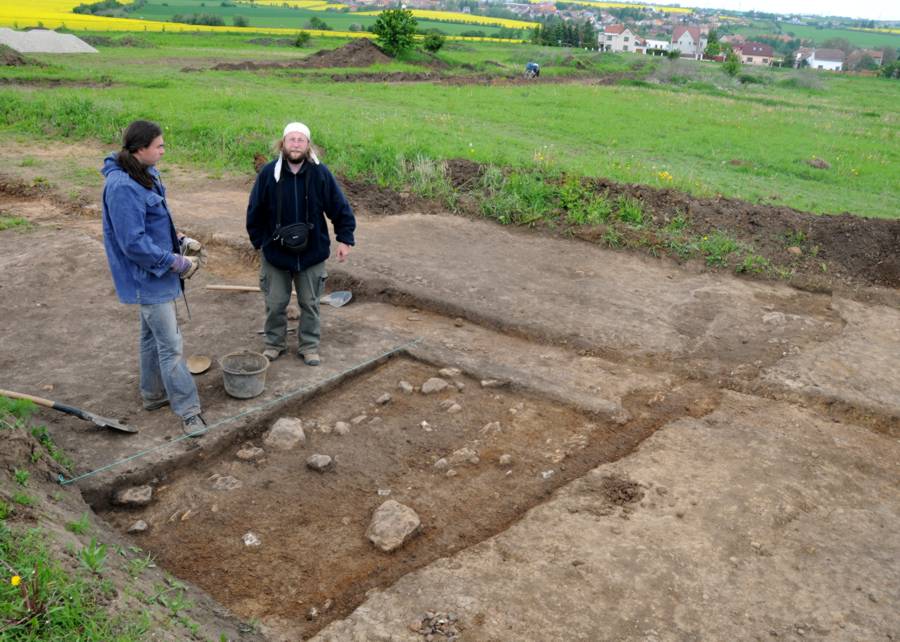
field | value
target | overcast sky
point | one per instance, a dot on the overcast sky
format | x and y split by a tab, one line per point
869	9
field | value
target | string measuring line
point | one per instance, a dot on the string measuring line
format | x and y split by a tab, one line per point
65	482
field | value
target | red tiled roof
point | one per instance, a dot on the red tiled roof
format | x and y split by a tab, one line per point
831	55
755	49
615	29
681	29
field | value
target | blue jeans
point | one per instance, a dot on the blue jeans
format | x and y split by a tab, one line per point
164	372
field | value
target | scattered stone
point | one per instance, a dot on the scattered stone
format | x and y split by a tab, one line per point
384	492
795	251
406	387
312	613
325	429
452	472
225	482
519	407
463	456
491	428
358	419
450	372
346	521
446	403
442	464
493	383
342	428
134	496
392	524
320	463
547	474
437	626
249	453
506	459
425	426
458	322
375	420
459	385
250	539
435	384
327	605
774	318
455	408
286	433
139	526
383	399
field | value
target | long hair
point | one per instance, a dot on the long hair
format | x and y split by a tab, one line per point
137	136
278	148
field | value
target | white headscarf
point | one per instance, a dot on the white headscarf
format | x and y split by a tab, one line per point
302	129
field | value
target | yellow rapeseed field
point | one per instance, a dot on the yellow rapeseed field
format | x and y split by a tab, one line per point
452	16
311	5
623	5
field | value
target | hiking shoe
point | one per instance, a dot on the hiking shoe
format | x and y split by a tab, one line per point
272	353
311	359
156	404
194	426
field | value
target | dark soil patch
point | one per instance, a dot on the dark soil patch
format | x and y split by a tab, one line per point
314	553
56	82
464	174
272	42
383	201
357	53
9	57
621	492
124	41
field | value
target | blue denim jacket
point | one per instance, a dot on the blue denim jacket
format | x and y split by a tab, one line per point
139	237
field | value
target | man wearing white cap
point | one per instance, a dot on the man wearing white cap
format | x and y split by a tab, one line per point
291	197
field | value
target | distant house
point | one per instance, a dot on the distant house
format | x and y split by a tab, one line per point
755	53
827	59
655	47
689	41
616	38
855	58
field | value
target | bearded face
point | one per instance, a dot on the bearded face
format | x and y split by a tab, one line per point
295	147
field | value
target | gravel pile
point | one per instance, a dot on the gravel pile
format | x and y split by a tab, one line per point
43	41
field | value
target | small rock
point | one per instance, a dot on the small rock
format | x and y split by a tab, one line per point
342	428
358	419
226	482
327	605
326	429
250	539
384	492
135	496
442	464
450	372
795	251
375	420
383	399
286	433
47	387
493	383
392	524
491	428
425	426
406	387
661	490
446	403
547	474
774	318
455	408
249	453
506	460
346	521
452	472
458	322
435	384
459	385
312	613
463	456
138	527
320	463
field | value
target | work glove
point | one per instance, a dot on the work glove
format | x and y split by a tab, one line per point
189	246
185	266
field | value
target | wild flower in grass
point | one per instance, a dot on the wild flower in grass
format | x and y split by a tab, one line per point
15	580
854	171
664	176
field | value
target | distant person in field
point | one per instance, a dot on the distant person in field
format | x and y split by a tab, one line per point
286	220
149	262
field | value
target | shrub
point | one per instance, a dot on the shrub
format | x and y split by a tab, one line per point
302	39
240	21
433	42
395	29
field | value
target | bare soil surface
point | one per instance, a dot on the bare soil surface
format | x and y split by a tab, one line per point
694	455
357	53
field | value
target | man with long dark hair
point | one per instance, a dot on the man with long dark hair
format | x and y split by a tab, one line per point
148	264
286	220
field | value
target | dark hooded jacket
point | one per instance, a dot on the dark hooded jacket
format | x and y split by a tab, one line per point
325	199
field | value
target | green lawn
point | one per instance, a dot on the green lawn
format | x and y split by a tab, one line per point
282	17
818	36
712	134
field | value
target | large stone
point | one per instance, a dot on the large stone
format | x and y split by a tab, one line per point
435	384
249	453
463	456
392	524
134	497
226	482
286	433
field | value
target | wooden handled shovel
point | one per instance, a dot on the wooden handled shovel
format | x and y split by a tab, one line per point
103	422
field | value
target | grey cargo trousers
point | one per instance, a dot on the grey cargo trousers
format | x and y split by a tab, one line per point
276	285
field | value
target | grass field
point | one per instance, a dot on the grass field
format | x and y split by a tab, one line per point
679	124
867	39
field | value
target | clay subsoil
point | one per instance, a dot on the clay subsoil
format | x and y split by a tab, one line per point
692	455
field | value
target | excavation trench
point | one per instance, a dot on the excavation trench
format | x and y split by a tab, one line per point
314	563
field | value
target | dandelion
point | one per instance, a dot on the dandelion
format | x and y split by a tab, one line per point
854	171
15	580
664	176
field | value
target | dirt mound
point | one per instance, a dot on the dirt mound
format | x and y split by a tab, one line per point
463	173
9	57
621	492
125	41
273	42
357	53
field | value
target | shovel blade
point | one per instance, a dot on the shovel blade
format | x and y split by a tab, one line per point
106	422
337	299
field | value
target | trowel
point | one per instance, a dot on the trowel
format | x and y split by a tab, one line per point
103	422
